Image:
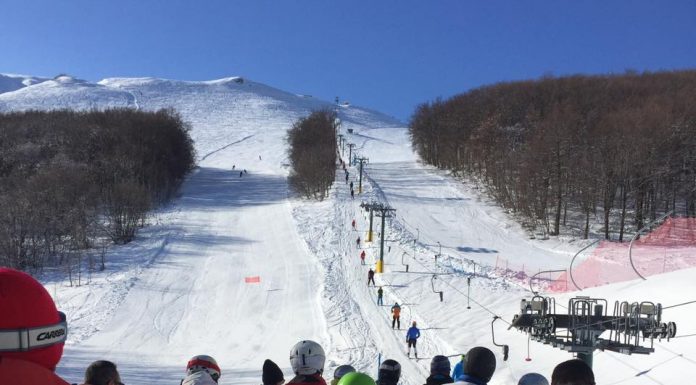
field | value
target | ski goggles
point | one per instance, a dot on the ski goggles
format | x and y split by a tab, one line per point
21	340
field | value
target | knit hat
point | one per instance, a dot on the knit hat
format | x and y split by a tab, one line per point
389	372
271	373
29	313
575	371
440	365
480	363
533	379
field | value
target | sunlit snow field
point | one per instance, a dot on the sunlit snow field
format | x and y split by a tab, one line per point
179	289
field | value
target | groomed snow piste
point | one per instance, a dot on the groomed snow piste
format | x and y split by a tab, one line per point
180	289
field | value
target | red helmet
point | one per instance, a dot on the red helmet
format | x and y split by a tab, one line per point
31	328
203	363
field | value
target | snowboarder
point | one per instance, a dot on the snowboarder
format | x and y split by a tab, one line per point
200	370
389	373
352	194
25	306
479	367
411	337
353	224
396	315
340	372
307	361
362	257
439	371
271	374
380	294
370	277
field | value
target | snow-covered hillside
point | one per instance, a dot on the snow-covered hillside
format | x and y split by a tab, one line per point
180	289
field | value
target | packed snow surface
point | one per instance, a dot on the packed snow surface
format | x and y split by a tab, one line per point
188	285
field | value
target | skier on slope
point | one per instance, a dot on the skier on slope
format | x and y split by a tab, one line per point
362	257
389	372
201	370
396	315
357	242
411	337
353	224
352	194
307	361
351	185
380	295
371	277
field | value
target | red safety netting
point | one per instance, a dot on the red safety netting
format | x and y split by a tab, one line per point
670	247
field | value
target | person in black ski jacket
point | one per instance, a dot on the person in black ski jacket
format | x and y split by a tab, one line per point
371	277
439	371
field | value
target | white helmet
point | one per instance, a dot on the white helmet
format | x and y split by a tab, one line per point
203	363
307	357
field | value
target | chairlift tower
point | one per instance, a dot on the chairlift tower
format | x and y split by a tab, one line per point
384	212
580	331
362	161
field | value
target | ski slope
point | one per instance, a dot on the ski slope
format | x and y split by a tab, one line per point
179	289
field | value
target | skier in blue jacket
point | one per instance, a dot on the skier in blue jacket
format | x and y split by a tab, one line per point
411	336
458	370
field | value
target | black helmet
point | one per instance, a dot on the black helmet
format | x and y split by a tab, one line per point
389	372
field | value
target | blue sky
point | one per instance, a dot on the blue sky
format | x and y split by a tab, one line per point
386	55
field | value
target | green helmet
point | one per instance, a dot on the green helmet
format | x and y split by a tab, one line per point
356	378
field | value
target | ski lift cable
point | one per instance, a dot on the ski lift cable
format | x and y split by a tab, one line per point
464	294
679	304
684	336
677	354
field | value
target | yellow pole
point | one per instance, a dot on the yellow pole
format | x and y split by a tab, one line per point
379	267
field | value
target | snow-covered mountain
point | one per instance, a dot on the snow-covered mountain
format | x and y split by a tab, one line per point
12	82
180	289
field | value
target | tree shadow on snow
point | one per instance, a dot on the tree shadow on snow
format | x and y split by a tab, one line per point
215	188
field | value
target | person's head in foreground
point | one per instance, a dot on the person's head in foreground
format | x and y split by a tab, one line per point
102	373
479	365
572	372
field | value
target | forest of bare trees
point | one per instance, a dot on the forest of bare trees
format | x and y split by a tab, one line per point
620	148
312	154
70	180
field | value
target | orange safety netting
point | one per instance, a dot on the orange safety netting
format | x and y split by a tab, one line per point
670	247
